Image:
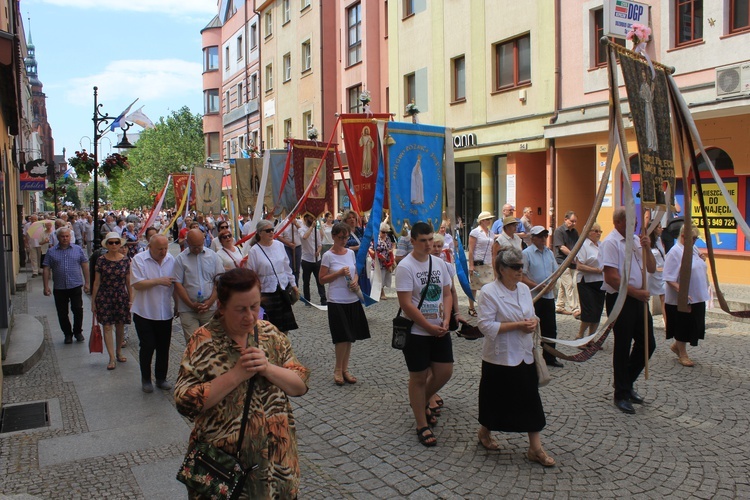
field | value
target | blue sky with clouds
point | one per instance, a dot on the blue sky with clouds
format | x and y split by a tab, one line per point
150	49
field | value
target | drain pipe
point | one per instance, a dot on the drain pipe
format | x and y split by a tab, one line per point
260	79
552	163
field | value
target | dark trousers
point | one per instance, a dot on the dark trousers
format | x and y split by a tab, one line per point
154	336
545	309
295	259
312	268
74	296
628	363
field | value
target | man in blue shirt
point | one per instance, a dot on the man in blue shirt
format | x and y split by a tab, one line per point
70	272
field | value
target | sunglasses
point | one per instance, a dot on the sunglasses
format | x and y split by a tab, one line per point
516	267
111	242
270	230
226	237
224	227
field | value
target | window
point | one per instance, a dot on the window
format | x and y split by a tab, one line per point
600	51
288	128
226	101
307	122
353	93
689	18
211	101
269	77
287	8
304	4
459	79
269	137
226	57
385	18
240	48
239	94
408	8
228	152
513	63
241	142
354	20
254	86
253	36
254	138
306	56
739	15
410	89
213	148
210	59
287	67
269	24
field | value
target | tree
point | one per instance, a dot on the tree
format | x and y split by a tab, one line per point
88	193
175	142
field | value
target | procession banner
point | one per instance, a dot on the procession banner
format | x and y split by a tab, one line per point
249	172
156	208
362	154
288	198
208	189
415	173
649	108
306	157
179	182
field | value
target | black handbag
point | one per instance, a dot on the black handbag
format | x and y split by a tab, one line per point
401	324
288	294
213	473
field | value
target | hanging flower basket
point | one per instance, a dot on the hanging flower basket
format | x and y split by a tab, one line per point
312	134
364	97
113	165
83	164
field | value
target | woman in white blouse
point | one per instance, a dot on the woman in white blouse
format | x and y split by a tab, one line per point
269	260
589	282
685	327
480	255
230	255
509	388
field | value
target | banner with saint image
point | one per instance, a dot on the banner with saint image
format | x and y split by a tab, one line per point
306	157
362	154
249	173
649	108
208	189
179	182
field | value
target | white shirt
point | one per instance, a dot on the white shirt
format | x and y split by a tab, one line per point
698	287
257	261
505	241
308	245
155	302
656	279
589	255
482	245
411	276
327	236
338	289
497	305
229	259
289	233
196	273
612	254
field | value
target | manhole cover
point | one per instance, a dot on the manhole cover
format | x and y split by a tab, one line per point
25	416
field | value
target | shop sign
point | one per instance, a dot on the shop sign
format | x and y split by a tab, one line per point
464	140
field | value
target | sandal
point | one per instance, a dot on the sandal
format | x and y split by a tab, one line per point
438	400
431	417
487	442
435	410
349	378
111	365
472	312
540	456
426	437
337	378
121	358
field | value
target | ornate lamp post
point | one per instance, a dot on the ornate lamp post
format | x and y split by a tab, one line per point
101	122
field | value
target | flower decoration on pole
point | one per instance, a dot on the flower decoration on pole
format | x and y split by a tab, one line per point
253	151
113	165
365	99
312	133
640	35
412	110
83	164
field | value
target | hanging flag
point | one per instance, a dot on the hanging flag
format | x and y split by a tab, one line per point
288	198
362	154
118	121
158	202
208	189
306	157
462	268
180	183
139	118
415	173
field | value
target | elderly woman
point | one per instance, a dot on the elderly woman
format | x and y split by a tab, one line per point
589	282
131	239
220	359
268	258
685	327
509	388
111	296
480	255
230	255
346	317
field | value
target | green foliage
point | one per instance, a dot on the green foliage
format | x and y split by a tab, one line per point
88	193
175	142
66	189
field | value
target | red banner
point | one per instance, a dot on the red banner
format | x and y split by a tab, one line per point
180	183
361	144
306	157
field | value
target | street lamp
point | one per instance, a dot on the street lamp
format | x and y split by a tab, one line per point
101	122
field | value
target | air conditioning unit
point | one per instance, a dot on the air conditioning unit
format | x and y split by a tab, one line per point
733	80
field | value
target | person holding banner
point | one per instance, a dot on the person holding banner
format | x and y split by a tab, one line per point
312	245
346	316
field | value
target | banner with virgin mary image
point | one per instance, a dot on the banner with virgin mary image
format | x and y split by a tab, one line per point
362	154
415	173
649	108
306	156
208	189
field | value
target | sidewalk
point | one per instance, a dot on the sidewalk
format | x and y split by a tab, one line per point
108	439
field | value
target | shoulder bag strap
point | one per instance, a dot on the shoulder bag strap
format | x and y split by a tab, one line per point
248	397
231	257
424	291
269	261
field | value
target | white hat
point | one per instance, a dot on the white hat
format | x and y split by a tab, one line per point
484	215
113	236
538	230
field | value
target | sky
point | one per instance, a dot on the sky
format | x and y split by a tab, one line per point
145	49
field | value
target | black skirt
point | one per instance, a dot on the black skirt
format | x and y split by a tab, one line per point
278	311
348	322
686	327
509	398
591	298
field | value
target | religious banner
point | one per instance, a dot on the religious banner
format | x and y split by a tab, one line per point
415	173
249	172
306	156
649	108
208	189
288	199
362	154
179	182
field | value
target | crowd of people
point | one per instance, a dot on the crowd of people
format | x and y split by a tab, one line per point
233	286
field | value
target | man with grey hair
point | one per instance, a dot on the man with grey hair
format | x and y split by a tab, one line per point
70	272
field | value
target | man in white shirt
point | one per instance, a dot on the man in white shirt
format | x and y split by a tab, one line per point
428	351
628	328
312	246
293	246
151	278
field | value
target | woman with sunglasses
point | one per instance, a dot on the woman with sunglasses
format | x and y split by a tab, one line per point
216	244
589	279
509	388
268	258
111	296
230	255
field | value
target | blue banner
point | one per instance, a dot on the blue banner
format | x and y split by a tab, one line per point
289	197
462	268
415	173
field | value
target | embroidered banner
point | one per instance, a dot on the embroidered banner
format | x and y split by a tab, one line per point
249	174
415	173
362	154
288	198
208	189
306	156
649	108
179	182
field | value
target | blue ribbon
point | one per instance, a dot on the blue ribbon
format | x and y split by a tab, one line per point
462	269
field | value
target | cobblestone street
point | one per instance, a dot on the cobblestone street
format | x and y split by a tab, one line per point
109	440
